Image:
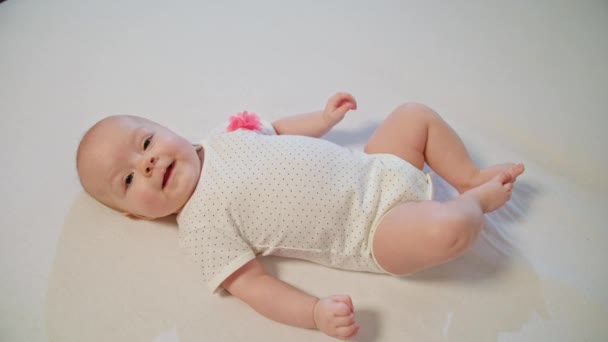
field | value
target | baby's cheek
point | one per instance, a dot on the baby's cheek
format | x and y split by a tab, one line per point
151	204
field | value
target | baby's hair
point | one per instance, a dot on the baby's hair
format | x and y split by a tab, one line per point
85	143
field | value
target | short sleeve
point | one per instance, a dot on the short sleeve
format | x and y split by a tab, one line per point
267	128
218	253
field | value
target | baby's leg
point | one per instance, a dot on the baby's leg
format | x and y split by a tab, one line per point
418	134
417	235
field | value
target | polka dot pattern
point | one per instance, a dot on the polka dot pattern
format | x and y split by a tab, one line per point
291	196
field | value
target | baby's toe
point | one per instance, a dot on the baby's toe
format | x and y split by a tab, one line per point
503	177
517	170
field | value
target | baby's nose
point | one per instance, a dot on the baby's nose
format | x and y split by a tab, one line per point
149	164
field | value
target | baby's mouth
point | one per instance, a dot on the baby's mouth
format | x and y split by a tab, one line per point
168	173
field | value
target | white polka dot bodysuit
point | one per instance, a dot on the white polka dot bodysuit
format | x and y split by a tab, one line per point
293	196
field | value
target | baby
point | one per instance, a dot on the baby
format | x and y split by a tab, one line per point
254	188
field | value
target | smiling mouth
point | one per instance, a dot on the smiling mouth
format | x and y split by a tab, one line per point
168	173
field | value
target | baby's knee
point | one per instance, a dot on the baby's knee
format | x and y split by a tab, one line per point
450	235
416	109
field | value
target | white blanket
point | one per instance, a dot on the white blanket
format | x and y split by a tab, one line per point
535	272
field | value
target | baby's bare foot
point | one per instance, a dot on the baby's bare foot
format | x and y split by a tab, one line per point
516	171
494	193
488	173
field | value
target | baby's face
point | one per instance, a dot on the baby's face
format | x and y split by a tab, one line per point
139	167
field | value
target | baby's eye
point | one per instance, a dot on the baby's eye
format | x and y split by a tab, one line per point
128	180
147	142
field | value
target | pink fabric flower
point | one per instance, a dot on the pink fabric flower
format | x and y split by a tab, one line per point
244	120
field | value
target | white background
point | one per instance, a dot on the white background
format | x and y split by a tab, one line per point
529	78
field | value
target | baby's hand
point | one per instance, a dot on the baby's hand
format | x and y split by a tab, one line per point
335	316
337	106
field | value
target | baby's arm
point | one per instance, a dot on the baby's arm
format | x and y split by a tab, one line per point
283	303
317	124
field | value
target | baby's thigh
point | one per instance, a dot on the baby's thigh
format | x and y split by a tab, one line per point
403	133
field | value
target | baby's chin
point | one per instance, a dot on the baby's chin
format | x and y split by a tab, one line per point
143	216
157	213
150	215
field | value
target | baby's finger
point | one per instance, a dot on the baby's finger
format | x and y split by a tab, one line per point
345	100
351	99
341	98
347	332
346	300
341	309
354	333
344	321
